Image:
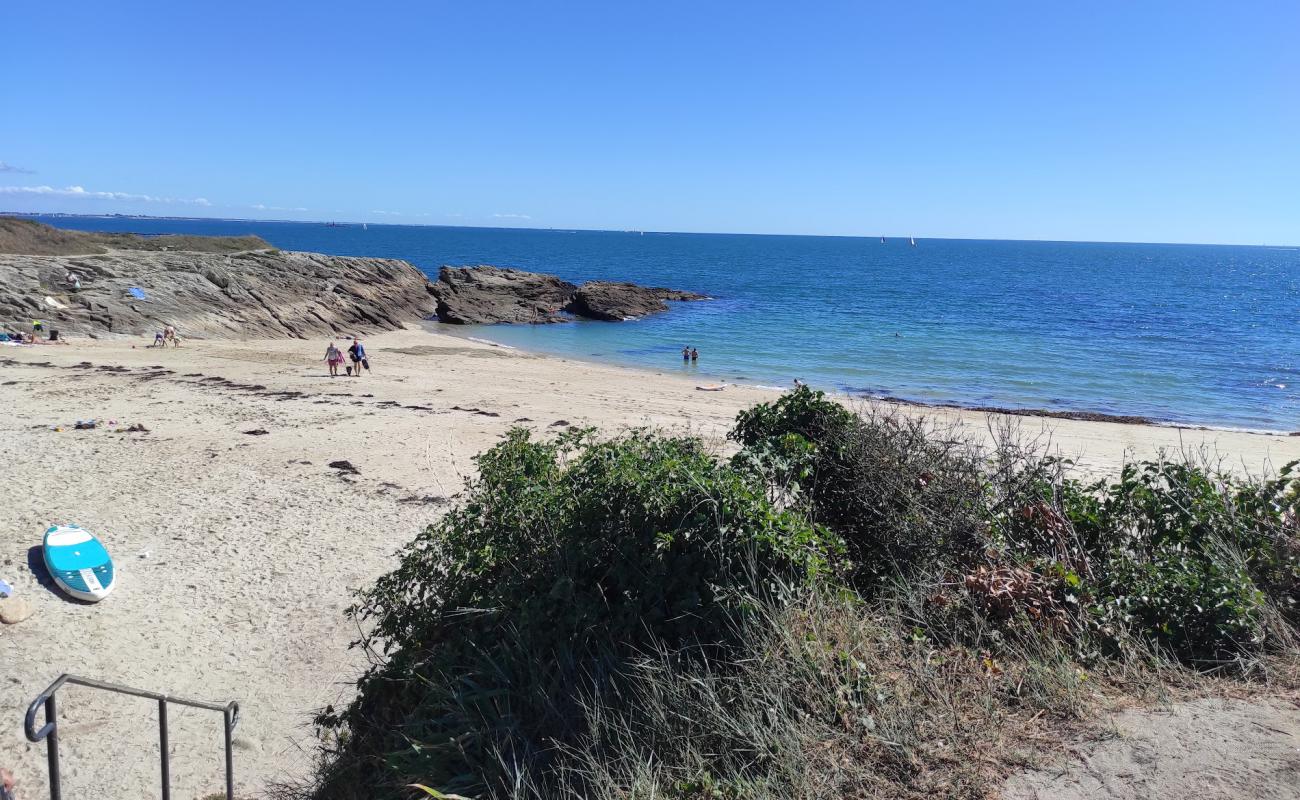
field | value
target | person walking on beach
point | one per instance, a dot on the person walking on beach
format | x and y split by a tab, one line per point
334	358
358	354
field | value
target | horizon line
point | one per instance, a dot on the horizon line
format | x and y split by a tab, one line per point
634	231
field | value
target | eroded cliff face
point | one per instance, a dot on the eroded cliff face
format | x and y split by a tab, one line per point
254	294
98	284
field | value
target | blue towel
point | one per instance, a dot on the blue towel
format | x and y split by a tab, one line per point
137	293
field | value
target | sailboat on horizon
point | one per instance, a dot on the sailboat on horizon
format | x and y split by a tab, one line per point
912	240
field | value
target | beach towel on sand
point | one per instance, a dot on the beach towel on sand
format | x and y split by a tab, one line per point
137	293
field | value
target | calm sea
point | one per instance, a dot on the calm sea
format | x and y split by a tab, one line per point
1179	333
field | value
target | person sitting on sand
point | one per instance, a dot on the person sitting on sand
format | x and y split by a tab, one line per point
358	354
695	354
333	357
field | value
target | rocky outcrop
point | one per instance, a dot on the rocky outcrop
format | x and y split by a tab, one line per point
615	302
485	295
250	294
241	287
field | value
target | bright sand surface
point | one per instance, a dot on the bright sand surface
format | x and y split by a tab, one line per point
236	553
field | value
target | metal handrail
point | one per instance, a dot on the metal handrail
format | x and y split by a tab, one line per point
50	730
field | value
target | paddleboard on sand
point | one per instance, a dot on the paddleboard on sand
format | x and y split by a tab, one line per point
78	562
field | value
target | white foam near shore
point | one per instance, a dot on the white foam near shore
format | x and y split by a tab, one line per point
254	542
488	342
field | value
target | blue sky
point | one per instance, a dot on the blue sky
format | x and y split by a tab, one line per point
1150	121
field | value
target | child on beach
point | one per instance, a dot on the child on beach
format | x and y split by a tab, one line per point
334	357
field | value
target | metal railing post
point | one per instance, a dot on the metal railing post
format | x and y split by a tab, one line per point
230	755
162	746
49	733
52	747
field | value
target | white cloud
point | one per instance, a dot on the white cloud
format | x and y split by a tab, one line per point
11	168
83	193
512	216
261	207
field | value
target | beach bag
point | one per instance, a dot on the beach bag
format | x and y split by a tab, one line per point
365	362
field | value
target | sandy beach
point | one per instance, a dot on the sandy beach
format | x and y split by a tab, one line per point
237	551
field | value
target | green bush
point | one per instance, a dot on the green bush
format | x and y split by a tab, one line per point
1184	557
565	559
901	496
1188	557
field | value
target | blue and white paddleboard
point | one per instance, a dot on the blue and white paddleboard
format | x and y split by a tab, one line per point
78	562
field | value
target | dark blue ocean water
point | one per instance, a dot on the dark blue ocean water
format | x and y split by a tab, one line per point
1180	333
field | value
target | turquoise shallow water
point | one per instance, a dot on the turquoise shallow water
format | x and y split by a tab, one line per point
1179	333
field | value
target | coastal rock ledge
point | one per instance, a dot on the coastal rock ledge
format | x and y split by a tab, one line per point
486	295
208	287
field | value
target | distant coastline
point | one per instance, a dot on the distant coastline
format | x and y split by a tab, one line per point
897	237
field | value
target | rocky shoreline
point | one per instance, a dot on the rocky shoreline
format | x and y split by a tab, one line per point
94	284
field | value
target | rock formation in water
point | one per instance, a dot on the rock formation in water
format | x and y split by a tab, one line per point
229	287
614	301
484	295
478	295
